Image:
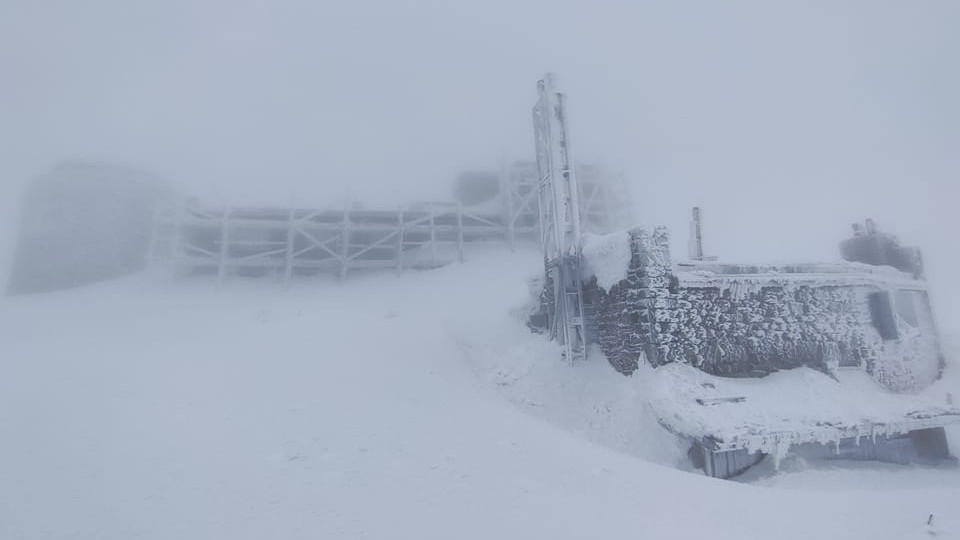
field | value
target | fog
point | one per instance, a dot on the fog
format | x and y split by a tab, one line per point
786	121
434	404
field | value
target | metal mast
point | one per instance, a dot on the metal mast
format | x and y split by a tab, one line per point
559	221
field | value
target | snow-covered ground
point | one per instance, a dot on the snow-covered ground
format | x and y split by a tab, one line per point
413	406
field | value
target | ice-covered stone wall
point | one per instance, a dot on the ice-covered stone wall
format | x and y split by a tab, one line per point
736	320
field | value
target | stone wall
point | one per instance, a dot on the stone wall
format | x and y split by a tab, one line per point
632	315
772	327
750	321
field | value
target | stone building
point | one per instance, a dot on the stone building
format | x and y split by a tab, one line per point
864	324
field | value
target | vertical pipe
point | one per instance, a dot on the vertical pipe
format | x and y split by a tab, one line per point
696	234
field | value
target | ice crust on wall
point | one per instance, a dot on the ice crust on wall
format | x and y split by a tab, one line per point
607	257
731	319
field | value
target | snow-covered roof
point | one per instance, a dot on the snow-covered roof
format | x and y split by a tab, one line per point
607	257
787	408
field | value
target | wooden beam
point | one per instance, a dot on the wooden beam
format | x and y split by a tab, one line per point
291	241
345	242
399	254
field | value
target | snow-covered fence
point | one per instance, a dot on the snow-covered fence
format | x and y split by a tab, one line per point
86	222
197	238
305	241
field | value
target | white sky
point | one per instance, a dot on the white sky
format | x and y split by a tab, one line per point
784	120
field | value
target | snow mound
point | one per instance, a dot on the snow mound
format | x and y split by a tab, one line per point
607	257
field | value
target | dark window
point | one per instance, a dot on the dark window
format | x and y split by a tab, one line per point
881	311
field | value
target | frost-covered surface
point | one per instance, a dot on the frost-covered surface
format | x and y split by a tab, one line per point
790	407
789	267
748	320
744	278
795	472
607	257
147	409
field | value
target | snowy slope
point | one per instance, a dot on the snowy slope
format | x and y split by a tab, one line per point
375	408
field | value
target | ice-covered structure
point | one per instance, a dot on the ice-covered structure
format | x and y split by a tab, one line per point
499	207
840	347
751	320
749	360
863	327
84	222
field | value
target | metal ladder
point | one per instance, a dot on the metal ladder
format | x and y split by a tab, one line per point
560	221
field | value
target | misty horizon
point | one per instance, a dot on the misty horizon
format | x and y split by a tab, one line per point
697	106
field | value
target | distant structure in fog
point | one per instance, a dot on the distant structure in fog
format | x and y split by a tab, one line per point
84	222
197	238
868	245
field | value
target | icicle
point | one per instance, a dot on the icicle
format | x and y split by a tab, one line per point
781	448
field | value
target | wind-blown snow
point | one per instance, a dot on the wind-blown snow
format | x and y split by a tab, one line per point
145	408
607	257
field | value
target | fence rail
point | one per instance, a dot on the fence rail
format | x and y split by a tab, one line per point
260	241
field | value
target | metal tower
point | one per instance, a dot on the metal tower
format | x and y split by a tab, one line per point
559	221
